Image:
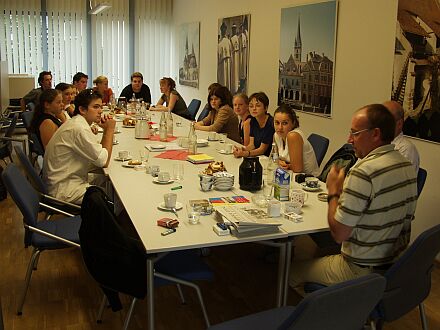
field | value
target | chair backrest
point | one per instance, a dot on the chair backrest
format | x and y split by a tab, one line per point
12	126
115	260
409	279
346	305
320	146
343	157
35	145
27	116
203	113
22	192
193	107
31	173
421	178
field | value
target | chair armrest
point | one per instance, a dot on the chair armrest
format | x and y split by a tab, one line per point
54	209
44	233
5	138
59	201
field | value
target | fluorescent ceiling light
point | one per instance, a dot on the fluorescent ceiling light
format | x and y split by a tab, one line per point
99	8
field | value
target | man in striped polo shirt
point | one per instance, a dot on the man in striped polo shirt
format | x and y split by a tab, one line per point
370	209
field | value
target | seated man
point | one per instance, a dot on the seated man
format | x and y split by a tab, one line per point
401	143
73	151
45	82
369	210
80	81
138	88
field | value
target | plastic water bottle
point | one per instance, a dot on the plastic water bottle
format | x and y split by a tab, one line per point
170	124
163	127
272	165
192	140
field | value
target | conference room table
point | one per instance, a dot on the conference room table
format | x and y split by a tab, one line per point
141	197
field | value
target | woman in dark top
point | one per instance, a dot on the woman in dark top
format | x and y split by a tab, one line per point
46	117
261	128
241	109
171	98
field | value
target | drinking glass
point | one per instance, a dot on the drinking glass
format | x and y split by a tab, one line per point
267	191
193	213
222	137
144	154
178	172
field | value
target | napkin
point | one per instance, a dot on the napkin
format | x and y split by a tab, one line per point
173	154
157	138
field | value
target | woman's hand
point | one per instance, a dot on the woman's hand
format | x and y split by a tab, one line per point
283	164
239	151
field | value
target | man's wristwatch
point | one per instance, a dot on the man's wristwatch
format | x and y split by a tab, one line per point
330	197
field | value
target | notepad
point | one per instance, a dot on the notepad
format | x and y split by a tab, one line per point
200	159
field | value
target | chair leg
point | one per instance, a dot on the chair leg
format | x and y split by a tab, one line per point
101	310
423	316
36	261
182	297
30	268
130	312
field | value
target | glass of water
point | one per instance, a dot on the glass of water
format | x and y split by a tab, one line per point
193	213
178	172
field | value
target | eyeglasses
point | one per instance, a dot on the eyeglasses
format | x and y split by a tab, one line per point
354	133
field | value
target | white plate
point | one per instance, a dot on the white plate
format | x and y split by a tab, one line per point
162	206
224	152
155	126
156	180
122	159
126	164
202	142
304	186
129	126
157	146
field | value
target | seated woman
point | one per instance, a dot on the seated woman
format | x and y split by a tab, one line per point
221	117
68	93
241	109
101	86
261	128
207	107
74	151
294	150
47	115
171	98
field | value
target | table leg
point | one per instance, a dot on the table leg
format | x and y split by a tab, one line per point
288	256
281	273
150	292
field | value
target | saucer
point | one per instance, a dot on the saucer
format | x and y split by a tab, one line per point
323	197
304	186
122	159
156	180
157	146
224	152
162	206
129	126
115	142
126	164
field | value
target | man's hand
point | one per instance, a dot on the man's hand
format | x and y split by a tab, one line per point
335	180
107	123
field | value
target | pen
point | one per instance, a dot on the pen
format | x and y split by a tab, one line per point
176	188
168	231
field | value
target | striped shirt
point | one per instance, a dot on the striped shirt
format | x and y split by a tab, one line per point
378	200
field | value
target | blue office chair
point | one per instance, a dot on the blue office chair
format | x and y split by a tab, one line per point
35	147
193	107
342	306
40	234
421	178
203	113
409	279
7	139
38	183
320	146
118	262
26	117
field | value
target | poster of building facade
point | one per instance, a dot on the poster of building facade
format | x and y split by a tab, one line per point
233	53
189	54
307	52
416	67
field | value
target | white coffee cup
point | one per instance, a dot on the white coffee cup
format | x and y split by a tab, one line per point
170	200
312	182
163	177
123	154
228	148
298	196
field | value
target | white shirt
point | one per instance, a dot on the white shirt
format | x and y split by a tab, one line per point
69	156
407	149
310	165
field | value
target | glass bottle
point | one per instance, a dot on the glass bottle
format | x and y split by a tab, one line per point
163	127
192	140
272	165
170	124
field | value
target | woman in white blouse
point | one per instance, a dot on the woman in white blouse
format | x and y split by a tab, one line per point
295	151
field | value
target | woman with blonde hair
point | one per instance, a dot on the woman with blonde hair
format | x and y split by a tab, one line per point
241	109
171	98
101	86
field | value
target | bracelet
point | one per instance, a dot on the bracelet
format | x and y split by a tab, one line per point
330	197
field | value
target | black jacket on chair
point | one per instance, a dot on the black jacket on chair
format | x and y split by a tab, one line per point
114	259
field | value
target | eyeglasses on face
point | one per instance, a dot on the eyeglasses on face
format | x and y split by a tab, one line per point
354	133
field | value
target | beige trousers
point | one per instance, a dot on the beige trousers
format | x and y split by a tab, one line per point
327	271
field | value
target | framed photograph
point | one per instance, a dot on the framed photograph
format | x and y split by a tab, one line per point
189	54
307	57
233	53
416	68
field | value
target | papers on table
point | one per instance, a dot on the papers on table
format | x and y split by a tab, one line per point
168	146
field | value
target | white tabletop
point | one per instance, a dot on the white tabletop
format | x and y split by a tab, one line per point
140	197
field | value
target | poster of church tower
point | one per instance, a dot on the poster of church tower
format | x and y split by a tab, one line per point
307	52
189	54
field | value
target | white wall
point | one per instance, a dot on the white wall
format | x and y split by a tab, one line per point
363	69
